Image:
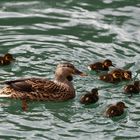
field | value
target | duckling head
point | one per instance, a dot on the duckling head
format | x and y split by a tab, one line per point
121	105
116	75
65	71
108	63
137	83
94	91
8	57
127	75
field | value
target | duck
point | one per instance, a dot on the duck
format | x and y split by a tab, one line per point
42	89
6	59
101	66
115	109
132	88
90	97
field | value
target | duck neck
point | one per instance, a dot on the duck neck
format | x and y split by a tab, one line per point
63	80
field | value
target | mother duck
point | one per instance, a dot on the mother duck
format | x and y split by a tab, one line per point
60	89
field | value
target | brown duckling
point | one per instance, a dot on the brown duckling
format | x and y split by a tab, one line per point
6	59
90	97
127	75
124	74
101	66
115	110
107	78
132	88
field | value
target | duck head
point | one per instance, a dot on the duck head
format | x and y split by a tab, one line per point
65	71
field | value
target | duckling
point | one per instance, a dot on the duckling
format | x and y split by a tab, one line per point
90	97
115	110
107	78
59	89
132	88
101	66
6	59
127	75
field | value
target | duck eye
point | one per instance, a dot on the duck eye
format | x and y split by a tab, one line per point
69	78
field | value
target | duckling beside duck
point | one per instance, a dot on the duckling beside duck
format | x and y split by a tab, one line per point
6	59
132	88
101	66
90	97
115	109
59	89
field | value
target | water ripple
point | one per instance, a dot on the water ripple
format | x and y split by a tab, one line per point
42	34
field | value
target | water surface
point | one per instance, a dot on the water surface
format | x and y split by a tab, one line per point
41	34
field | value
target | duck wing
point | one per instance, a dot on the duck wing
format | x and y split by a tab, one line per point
23	85
36	85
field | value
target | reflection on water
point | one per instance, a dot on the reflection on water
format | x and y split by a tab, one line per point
40	35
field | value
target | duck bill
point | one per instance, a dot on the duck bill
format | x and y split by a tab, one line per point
126	107
77	72
113	65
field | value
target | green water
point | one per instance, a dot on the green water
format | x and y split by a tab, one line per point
41	34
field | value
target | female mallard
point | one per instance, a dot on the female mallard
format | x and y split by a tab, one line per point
115	110
6	59
101	66
61	89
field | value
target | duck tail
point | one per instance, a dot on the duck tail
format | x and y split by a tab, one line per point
5	96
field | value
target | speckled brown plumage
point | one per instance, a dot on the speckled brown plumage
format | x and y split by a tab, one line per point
43	89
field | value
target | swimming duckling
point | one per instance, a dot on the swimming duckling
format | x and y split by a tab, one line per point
127	75
60	89
107	78
124	74
132	88
90	97
115	110
6	59
101	66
